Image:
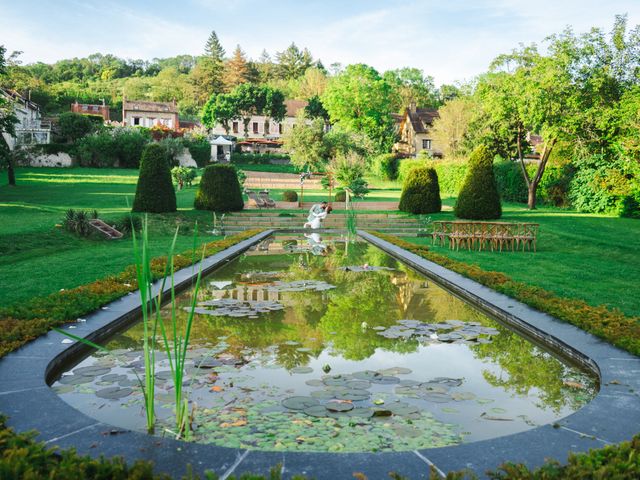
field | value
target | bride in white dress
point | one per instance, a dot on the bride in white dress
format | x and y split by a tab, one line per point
317	219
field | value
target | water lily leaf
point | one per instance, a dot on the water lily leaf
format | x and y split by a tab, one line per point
113	377
353	395
315	383
498	410
91	371
449	382
62	389
495	418
301	370
449	410
323	394
339	406
299	403
436	397
460	396
113	393
75	379
395	371
316	411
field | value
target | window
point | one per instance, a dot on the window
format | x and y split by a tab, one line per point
136	120
235	127
255	127
426	144
280	128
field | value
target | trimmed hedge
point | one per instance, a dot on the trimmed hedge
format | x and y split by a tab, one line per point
421	192
257	158
27	320
341	196
155	192
610	324
200	151
479	198
385	166
219	190
290	196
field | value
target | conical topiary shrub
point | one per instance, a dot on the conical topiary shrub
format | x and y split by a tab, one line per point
421	192
154	192
479	198
219	190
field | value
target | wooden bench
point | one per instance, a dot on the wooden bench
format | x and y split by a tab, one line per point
481	235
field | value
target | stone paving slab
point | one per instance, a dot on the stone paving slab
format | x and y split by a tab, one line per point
612	416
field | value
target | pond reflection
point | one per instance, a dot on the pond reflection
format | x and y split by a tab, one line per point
316	344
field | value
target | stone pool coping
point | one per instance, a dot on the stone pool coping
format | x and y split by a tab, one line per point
611	417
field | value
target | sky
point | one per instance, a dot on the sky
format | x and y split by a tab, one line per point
451	40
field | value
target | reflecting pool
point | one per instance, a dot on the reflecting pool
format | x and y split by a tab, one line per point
316	344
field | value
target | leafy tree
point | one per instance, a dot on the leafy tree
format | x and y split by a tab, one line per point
8	120
359	100
73	126
315	109
154	192
348	170
306	144
265	67
479	198
293	62
221	108
410	85
219	190
312	84
447	93
452	129
236	70
206	79
213	48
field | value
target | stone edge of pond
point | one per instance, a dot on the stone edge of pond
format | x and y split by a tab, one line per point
27	400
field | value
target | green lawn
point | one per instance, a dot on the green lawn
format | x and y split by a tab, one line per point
586	256
38	258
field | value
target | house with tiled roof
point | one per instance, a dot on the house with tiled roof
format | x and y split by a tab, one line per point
31	128
414	130
265	128
148	114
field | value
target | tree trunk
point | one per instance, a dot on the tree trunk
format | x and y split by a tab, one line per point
531	200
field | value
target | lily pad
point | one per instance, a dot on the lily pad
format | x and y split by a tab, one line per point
339	406
301	370
75	379
395	371
460	396
353	395
113	393
299	403
91	371
314	382
437	397
316	411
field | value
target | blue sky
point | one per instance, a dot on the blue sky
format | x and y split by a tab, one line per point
452	40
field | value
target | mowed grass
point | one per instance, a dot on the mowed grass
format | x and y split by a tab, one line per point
591	257
38	258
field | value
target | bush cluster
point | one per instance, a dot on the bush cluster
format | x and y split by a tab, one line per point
200	151
120	147
421	192
77	221
290	196
341	196
385	166
154	192
478	198
257	158
219	190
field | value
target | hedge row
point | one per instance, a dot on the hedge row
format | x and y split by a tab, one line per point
553	190
257	158
610	324
28	320
23	457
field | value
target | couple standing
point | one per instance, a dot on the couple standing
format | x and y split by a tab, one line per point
317	214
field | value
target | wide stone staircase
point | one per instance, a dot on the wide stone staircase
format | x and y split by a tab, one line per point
391	223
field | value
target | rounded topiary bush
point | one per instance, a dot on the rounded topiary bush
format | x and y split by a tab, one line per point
479	198
219	190
421	192
154	192
289	196
341	196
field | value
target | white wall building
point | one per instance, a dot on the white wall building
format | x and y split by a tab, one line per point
30	128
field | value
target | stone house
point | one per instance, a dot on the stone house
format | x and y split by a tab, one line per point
414	130
262	127
147	114
89	109
30	129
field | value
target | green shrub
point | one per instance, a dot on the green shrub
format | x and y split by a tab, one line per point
289	196
96	150
341	196
405	165
554	186
421	192
510	181
200	151
451	175
630	206
73	126
77	221
219	190
183	176
154	192
385	166
128	224
128	145
479	198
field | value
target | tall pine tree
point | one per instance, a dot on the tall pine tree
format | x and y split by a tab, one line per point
236	70
213	48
